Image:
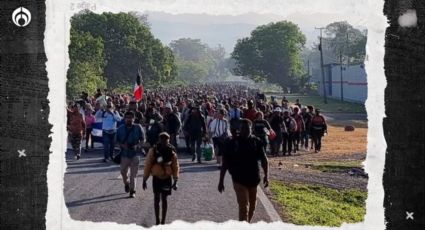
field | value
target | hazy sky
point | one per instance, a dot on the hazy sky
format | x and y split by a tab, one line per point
226	29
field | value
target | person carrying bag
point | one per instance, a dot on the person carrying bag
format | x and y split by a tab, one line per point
219	129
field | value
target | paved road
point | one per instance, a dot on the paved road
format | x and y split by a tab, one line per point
94	191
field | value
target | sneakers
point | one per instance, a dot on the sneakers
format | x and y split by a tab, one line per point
78	156
127	188
193	158
132	194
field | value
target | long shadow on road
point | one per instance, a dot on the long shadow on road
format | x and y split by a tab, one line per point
94	191
94	200
207	168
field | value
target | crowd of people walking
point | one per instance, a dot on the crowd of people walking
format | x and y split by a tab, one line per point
241	123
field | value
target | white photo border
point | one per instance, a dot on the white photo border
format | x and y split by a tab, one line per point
56	41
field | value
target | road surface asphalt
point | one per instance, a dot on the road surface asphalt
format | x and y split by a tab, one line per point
94	191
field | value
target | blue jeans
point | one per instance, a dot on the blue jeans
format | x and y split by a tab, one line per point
108	144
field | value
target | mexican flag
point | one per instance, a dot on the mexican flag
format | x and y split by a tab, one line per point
138	87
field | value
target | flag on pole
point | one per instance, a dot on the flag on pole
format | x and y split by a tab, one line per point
138	87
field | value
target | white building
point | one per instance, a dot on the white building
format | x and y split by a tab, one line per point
354	82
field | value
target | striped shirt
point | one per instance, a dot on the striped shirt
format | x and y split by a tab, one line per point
218	127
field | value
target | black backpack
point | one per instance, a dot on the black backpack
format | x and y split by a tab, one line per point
166	152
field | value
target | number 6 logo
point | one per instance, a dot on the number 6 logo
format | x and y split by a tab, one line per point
21	17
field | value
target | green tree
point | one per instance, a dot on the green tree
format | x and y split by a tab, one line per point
190	71
128	46
334	41
271	53
197	62
189	49
343	38
218	69
85	71
83	76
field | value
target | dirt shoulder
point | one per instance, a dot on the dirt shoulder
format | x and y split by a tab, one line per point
338	165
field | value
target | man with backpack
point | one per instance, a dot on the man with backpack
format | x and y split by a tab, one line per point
241	155
129	137
318	130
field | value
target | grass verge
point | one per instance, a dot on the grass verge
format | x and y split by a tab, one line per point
341	166
332	106
318	205
332	168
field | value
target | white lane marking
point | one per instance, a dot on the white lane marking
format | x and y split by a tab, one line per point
271	211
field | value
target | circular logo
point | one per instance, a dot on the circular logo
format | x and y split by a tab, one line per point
21	17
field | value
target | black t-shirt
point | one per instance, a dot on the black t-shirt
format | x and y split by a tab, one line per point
259	126
276	122
138	117
195	125
242	155
307	120
172	123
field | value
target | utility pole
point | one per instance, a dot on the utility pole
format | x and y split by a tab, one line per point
347	48
321	64
342	84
